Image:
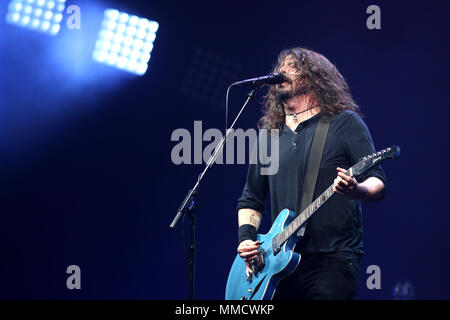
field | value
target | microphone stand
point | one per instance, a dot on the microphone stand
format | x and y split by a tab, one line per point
189	207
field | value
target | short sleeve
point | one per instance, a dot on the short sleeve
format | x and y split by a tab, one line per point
358	144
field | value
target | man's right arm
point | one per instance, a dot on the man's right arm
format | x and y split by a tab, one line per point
251	206
248	249
249	216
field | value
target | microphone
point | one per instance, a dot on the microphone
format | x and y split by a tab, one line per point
272	78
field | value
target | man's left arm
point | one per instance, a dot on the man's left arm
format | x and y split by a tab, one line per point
371	189
359	143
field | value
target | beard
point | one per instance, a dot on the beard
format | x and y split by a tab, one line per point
284	94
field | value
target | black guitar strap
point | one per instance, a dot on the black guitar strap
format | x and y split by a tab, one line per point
312	169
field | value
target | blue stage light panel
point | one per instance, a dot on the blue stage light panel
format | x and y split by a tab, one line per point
40	15
125	41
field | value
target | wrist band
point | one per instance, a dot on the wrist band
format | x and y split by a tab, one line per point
246	232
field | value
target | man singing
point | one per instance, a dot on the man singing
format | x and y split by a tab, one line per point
331	246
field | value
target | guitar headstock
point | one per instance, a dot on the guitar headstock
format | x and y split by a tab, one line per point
373	159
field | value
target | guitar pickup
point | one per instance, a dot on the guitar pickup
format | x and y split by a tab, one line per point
275	247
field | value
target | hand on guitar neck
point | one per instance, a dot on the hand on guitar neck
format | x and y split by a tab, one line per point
372	189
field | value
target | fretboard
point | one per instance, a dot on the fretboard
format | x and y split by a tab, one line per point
304	216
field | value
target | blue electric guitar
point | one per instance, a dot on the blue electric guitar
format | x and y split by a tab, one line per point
276	258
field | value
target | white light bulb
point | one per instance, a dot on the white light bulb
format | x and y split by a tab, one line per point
153	26
141	68
55	29
123	17
25	20
48	15
45	25
150	37
112	14
50	5
27	9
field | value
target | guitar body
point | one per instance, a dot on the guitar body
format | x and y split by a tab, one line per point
271	268
262	285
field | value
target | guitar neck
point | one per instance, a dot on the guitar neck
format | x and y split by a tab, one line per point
305	215
362	166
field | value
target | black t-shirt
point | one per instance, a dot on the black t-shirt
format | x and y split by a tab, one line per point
337	225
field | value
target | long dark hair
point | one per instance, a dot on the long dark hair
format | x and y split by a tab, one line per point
321	78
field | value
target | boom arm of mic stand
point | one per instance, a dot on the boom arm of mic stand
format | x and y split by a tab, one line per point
188	200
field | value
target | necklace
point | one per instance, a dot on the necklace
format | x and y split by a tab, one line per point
295	114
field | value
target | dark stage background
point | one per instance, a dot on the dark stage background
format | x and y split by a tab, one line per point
86	172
